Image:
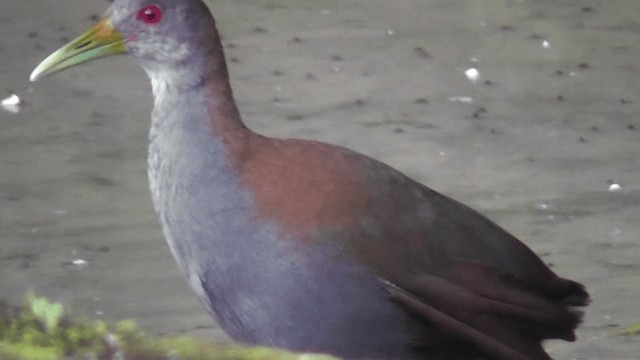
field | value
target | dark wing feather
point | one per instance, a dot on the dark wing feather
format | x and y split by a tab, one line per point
461	274
504	321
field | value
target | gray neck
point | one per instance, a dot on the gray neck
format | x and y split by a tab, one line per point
196	194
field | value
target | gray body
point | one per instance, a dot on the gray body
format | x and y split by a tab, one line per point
261	289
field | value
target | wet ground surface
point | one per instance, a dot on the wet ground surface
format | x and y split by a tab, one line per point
545	140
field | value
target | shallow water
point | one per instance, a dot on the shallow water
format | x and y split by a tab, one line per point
535	142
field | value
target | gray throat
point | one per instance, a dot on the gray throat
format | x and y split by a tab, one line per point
198	198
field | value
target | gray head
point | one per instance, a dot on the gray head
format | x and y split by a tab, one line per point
164	31
162	34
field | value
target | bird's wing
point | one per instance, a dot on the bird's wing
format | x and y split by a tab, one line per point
463	274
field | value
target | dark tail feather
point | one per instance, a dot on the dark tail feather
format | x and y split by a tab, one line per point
502	318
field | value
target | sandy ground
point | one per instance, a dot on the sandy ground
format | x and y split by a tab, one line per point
535	142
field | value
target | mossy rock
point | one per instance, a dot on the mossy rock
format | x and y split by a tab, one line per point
41	330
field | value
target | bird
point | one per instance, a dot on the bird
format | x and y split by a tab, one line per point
306	246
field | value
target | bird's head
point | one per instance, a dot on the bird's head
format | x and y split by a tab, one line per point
160	33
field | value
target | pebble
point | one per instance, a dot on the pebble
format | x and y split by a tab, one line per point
12	103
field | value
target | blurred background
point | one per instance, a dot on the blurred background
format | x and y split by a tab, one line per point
527	110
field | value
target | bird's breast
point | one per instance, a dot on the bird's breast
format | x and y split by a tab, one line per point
302	186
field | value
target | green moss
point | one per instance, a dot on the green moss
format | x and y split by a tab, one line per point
191	349
631	330
25	351
46	313
41	330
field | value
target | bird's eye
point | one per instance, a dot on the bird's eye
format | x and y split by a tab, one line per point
151	14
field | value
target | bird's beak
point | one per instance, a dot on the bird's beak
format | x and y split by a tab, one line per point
100	40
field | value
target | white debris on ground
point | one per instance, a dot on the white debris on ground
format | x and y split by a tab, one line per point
12	103
615	187
542	206
79	264
462	99
472	74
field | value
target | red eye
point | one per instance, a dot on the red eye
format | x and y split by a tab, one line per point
151	14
